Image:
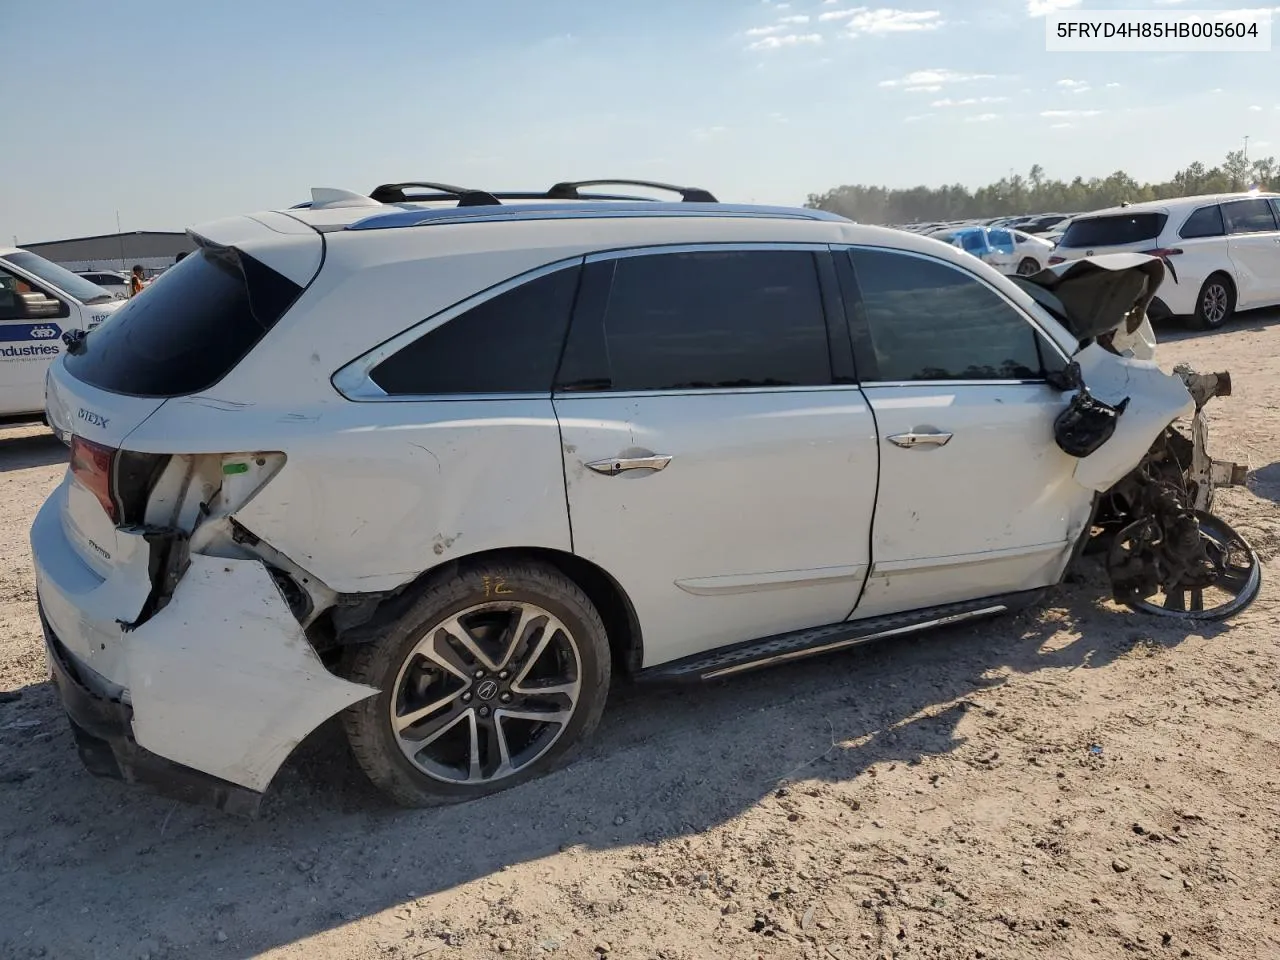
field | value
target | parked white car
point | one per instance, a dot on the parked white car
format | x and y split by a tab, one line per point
1033	252
39	301
442	469
1223	250
113	281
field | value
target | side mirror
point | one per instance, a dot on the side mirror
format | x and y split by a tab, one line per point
38	306
1068	378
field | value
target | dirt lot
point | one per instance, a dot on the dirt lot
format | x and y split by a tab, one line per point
1080	782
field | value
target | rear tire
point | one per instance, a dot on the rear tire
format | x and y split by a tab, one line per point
1028	267
1216	303
496	675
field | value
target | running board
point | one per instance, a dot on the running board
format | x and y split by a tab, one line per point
784	647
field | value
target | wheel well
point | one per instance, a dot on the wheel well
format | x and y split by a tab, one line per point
619	616
1231	281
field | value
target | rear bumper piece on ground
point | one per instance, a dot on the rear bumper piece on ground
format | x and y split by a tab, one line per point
103	732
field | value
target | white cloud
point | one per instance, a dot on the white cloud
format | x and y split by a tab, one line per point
982	118
786	40
1255	109
1216	90
1038	8
799	18
1061	126
708	133
840	14
764	31
1069	113
1071	84
1112	86
931	81
967	101
1168	3
889	20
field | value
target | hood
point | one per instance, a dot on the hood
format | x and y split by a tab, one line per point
1096	295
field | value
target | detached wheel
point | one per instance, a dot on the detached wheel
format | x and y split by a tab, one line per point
494	677
1028	267
1216	302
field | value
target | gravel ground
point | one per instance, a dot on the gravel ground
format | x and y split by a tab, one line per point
1076	782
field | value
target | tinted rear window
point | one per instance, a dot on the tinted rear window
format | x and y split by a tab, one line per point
1114	230
184	335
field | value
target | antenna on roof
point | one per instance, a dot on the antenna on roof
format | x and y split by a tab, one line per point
326	197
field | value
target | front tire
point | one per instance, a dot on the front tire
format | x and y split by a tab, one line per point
1216	303
496	675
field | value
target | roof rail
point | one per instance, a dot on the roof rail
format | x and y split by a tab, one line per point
466	196
568	190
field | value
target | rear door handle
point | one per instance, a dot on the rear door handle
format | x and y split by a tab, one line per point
912	439
611	468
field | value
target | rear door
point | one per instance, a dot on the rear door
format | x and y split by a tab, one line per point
1254	246
1003	255
720	461
976	499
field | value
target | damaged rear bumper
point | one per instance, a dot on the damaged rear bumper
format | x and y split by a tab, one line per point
102	726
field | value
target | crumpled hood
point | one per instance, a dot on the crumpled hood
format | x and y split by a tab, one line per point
1101	294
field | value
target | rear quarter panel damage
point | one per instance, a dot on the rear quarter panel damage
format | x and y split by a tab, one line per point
223	679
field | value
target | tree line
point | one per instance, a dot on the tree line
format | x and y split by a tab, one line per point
1036	194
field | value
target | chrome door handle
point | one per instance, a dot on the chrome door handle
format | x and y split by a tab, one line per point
611	468
913	439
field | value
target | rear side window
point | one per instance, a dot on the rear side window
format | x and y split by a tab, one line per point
509	343
1249	216
184	335
1114	230
1205	222
926	320
699	321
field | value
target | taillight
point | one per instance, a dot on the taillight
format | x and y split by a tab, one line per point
1053	261
91	465
1163	252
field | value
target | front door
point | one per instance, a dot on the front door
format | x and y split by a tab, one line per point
1254	244
718	466
975	498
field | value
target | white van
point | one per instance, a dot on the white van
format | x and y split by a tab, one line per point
39	300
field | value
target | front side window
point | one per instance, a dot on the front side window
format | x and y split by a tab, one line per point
1204	222
1249	216
509	343
926	320
700	320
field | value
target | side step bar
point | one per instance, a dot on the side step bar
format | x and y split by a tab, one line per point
739	658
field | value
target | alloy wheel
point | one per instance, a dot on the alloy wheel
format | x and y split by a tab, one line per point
486	692
1215	303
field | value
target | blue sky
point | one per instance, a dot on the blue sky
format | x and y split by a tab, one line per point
174	113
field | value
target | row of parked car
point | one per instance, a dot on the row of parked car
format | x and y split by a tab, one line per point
1222	251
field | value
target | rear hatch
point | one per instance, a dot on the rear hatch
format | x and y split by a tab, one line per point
1113	232
178	338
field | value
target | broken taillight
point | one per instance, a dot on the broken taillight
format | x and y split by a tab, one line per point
91	465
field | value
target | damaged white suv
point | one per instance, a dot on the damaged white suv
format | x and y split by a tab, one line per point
442	463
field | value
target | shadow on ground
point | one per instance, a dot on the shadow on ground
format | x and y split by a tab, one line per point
328	850
24	447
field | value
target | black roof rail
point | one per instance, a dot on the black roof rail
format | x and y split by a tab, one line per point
568	190
466	196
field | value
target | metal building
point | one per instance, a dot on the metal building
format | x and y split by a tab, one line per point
153	249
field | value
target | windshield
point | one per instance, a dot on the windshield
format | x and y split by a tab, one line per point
77	288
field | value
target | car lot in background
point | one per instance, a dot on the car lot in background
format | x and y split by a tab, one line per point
1007	250
112	281
1223	250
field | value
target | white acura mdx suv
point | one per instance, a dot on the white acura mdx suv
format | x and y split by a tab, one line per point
443	462
1223	251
